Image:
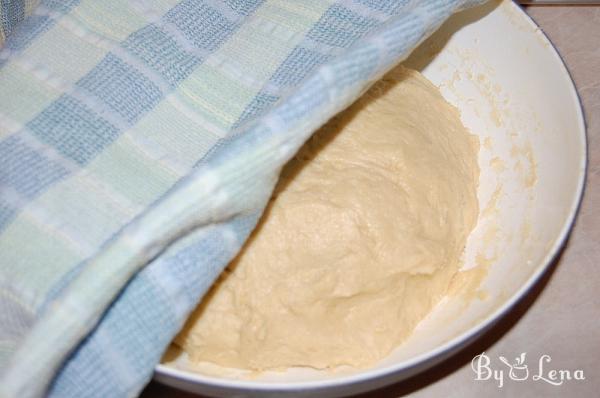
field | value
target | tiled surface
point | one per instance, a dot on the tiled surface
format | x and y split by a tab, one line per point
561	317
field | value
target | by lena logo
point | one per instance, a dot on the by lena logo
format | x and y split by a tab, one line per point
518	370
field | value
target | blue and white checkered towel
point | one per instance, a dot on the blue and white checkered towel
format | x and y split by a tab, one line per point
139	143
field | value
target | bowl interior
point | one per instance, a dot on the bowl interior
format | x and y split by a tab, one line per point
513	91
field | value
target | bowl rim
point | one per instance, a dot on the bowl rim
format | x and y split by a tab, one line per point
457	342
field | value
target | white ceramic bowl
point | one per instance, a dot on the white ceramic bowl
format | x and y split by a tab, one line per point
513	91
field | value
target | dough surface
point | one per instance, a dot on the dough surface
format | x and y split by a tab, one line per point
361	239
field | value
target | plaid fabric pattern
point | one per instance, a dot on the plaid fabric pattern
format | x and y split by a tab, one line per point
12	12
139	143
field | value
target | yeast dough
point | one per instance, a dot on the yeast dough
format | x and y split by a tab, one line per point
361	239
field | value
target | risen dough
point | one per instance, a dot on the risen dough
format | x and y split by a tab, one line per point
361	239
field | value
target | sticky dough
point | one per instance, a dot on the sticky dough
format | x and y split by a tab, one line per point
361	239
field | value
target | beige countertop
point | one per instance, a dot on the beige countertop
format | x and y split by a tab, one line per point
561	316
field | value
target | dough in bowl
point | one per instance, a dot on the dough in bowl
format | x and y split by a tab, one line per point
363	236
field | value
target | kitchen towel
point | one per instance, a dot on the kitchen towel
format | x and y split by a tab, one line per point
139	143
12	12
